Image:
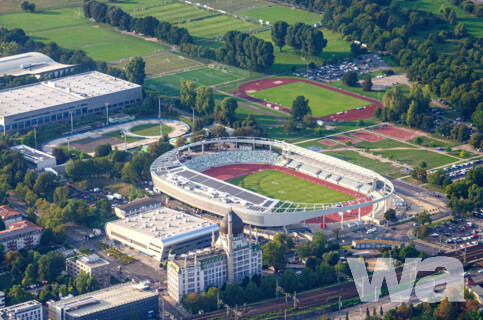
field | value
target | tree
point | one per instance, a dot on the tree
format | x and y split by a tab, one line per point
180	141
331	257
278	33
44	185
103	150
423	217
204	101
2	224
188	94
135	70
225	112
289	127
288	281
26	6
59	155
378	112
349	78
268	286
390	214
274	255
300	107
29	139
475	140
304	250
367	83
61	195
51	265
233	294
252	293
318	244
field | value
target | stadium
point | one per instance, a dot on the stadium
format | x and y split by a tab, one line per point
269	183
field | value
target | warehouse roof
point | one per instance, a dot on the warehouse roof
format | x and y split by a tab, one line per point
30	63
60	91
31	153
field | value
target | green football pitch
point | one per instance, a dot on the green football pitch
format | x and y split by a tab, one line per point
323	102
282	186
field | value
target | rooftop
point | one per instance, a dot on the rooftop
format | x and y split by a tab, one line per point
164	223
92	260
140	202
201	256
19	228
21	307
7	212
60	91
28	64
31	153
104	299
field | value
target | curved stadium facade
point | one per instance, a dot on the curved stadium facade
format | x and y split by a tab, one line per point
197	174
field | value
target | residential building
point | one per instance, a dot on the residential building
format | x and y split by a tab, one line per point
37	158
65	99
120	302
137	206
30	310
158	232
21	235
231	258
9	215
93	265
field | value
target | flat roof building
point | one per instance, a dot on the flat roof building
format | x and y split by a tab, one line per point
137	206
93	265
157	232
57	100
39	159
30	310
123	301
33	64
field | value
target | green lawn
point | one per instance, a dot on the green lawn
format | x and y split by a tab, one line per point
384	168
279	12
11	6
150	129
282	186
415	157
336	48
261	119
383	144
117	135
175	12
217	26
234	6
164	62
69	29
323	102
170	85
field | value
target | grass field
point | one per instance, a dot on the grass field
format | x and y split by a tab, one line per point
64	26
11	6
322	101
218	26
169	85
279	12
150	129
117	135
384	168
261	119
234	5
383	144
164	62
282	186
415	157
336	48
175	12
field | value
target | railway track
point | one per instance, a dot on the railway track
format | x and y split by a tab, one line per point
319	297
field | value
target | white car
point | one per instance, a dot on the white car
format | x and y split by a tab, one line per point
480	271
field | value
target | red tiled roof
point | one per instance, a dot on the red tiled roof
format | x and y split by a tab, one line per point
7	212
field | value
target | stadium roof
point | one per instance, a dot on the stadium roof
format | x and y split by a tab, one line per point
60	91
30	63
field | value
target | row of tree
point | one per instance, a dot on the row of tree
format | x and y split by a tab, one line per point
301	37
240	50
148	26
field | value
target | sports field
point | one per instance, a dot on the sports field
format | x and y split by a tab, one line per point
173	13
69	29
164	62
415	157
10	6
234	5
149	129
323	102
170	85
277	12
282	186
218	26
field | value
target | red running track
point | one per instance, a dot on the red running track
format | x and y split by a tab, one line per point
343	139
350	115
396	133
233	171
367	136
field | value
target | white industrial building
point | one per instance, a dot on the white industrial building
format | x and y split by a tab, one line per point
157	232
30	310
64	99
39	159
34	64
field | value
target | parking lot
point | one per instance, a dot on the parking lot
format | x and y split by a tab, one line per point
457	232
361	65
459	171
